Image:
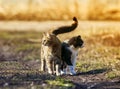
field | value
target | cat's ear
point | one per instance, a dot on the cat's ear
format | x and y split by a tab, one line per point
47	34
44	34
79	36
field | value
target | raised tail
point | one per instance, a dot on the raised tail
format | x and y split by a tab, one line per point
65	29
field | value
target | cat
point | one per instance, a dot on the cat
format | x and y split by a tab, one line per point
51	49
70	51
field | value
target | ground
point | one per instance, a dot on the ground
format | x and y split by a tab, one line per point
97	66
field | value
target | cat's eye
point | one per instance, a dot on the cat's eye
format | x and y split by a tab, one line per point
44	41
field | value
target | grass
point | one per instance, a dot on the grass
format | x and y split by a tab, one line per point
87	9
19	43
97	53
101	51
61	82
100	58
102	48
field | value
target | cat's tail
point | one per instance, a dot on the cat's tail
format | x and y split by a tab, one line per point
65	29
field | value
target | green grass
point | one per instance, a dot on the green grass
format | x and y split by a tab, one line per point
19	35
19	43
61	82
102	57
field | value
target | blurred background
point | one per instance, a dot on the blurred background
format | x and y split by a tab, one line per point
59	10
22	23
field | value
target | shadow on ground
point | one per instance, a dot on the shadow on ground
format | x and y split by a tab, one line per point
96	71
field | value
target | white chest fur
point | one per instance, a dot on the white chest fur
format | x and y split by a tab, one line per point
74	55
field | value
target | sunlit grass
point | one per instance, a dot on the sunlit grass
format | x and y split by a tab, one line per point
100	57
61	82
18	44
59	10
101	50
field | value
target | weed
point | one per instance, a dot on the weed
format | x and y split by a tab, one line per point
61	82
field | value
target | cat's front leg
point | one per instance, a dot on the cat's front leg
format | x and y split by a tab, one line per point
43	64
57	69
50	67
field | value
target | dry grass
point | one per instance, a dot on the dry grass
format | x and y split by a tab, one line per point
102	47
39	10
59	10
104	10
101	51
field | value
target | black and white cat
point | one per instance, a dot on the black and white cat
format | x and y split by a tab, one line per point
70	53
